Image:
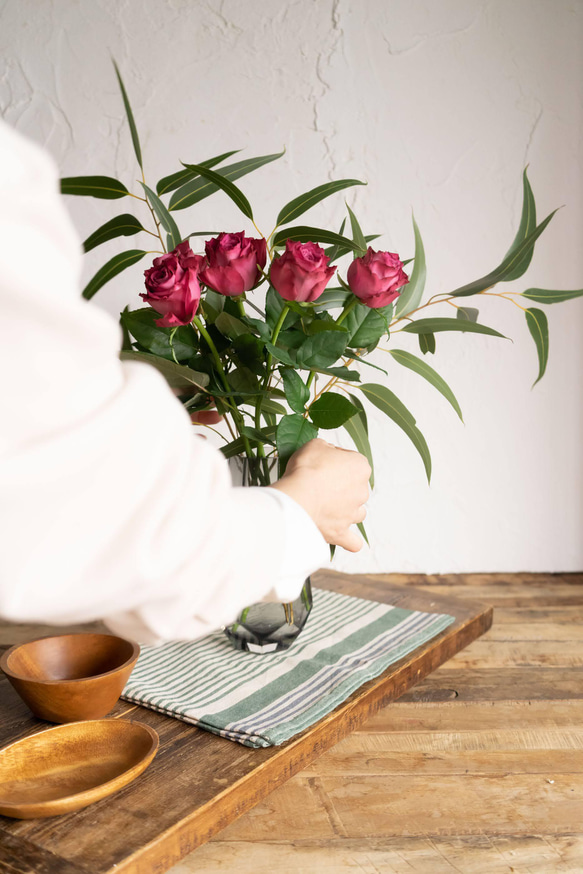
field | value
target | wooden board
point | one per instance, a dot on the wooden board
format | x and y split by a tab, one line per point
200	783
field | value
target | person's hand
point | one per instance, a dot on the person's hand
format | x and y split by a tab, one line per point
331	484
206	417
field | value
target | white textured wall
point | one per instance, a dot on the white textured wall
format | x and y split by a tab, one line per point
438	105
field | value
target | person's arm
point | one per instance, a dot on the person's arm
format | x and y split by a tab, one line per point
109	506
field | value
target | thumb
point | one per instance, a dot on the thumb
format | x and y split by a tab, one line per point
350	540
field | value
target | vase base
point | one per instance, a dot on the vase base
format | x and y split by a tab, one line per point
270	627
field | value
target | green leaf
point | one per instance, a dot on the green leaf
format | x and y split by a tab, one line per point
142	326
130	115
361	528
322	350
357	235
175	180
274	305
546	295
331	410
526	227
120	226
105	187
296	392
164	217
304	202
340	251
176	375
539	329
114	266
358	432
292	432
333	298
427	343
366	326
418	365
280	354
467	314
510	268
430	326
237	447
197	189
324	324
411	294
332	251
391	406
313	235
341	372
230	326
225	185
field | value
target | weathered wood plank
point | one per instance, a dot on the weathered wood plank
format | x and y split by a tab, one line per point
494	654
393	805
502	684
22	857
459	854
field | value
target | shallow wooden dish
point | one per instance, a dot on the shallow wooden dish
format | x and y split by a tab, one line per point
70	677
70	766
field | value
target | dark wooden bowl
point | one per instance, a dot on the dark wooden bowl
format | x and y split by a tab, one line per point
71	677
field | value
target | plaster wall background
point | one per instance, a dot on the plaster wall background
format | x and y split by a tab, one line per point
439	106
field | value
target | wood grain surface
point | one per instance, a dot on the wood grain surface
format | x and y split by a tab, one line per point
199	783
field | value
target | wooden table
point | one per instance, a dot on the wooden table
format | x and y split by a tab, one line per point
476	770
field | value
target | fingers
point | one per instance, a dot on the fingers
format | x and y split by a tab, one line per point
350	540
206	417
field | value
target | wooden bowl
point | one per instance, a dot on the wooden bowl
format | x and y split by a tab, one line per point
70	766
70	677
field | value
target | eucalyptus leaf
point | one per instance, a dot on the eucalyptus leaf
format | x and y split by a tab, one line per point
125	225
130	116
334	298
292	432
431	326
225	185
198	188
539	330
412	293
104	187
331	410
175	180
418	365
359	435
427	343
110	269
306	234
467	314
304	202
177	376
526	227
391	406
362	529
357	235
546	295
164	217
332	251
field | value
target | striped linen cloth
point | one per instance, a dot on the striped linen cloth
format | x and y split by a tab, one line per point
263	700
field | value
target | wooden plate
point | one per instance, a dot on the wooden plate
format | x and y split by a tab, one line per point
70	766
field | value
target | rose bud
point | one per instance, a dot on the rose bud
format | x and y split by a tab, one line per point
233	263
302	272
172	286
377	278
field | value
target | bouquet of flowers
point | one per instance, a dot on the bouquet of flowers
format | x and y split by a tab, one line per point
274	330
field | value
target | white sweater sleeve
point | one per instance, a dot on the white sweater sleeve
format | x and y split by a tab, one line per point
110	507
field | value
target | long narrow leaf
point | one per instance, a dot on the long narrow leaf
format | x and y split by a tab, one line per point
431	326
314	235
225	185
547	295
175	180
198	188
418	365
391	406
164	217
130	115
104	187
526	227
357	432
509	267
304	202
539	329
177	376
357	235
121	226
112	268
411	295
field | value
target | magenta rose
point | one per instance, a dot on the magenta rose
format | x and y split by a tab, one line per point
233	263
377	278
172	286
302	272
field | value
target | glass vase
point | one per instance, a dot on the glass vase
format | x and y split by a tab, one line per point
268	626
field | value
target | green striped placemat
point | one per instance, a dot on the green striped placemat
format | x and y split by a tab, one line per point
263	700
